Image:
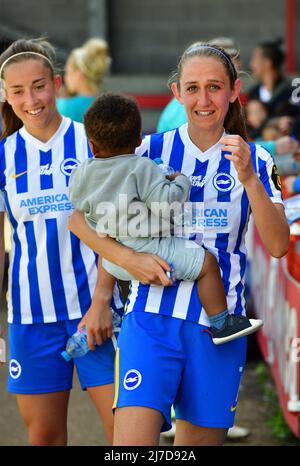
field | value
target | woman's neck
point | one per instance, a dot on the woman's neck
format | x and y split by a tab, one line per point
85	89
204	139
44	134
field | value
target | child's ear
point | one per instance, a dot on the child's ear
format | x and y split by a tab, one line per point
92	146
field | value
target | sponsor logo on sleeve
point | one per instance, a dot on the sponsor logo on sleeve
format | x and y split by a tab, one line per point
276	178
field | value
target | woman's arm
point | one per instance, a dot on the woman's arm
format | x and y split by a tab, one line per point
269	217
147	268
98	318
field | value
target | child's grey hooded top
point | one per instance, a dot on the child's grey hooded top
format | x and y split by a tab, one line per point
119	196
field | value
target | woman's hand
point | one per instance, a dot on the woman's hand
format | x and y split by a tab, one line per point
148	268
98	323
240	155
173	176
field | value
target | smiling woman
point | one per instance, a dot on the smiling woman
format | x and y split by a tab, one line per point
53	279
30	91
206	97
24	85
210	98
165	347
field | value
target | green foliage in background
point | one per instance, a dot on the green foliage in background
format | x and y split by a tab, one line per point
275	421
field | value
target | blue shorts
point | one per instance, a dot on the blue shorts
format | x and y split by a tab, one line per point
163	360
36	365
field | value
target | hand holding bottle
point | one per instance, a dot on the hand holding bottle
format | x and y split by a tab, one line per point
98	323
78	345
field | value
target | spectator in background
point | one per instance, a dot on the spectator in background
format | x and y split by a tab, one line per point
174	114
266	64
285	141
256	115
271	130
288	122
288	116
274	89
281	146
84	72
281	125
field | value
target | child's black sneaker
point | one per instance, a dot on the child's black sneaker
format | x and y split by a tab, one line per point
235	326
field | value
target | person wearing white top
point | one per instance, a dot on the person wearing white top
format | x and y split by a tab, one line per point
53	277
165	355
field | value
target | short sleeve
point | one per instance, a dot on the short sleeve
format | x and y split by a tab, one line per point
144	148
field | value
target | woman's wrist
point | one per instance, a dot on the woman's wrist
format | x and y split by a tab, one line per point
125	257
252	182
102	296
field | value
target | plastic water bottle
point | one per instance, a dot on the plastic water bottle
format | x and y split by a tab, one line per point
77	344
171	274
166	169
116	322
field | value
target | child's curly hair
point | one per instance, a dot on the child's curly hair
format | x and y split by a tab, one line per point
113	123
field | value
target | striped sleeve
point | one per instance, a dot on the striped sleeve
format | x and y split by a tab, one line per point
144	149
268	175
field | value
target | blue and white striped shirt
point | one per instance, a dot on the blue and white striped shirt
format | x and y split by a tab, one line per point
52	275
225	213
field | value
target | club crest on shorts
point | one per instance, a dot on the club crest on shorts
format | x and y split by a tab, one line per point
67	165
132	379
223	182
15	369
